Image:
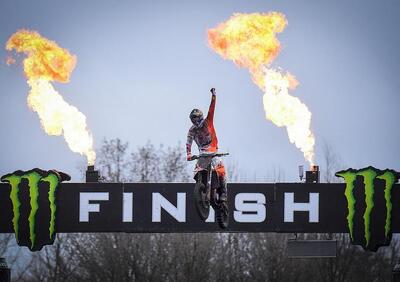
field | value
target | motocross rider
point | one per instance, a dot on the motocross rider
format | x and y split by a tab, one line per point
203	133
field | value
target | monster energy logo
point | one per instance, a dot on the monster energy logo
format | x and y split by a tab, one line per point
32	180
369	176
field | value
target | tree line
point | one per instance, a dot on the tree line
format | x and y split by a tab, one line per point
187	257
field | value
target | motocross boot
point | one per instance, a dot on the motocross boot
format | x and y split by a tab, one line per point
223	191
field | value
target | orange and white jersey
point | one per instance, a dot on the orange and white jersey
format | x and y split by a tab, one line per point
204	133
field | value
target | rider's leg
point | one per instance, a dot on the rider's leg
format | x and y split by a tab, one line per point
223	191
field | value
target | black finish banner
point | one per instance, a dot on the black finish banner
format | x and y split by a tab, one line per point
35	206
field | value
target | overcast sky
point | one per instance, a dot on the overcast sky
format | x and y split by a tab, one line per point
143	65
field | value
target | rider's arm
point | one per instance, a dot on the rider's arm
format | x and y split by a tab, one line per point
189	142
210	115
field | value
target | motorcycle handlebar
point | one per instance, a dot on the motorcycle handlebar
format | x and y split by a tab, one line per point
195	157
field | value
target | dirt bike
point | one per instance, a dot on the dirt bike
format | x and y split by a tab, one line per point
206	192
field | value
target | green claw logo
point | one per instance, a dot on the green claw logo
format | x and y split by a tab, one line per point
35	183
368	179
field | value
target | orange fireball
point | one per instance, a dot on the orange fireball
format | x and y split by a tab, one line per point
45	61
250	41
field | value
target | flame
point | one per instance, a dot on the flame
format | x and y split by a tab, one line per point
45	62
249	40
286	110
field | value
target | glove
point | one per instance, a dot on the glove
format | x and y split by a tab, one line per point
212	90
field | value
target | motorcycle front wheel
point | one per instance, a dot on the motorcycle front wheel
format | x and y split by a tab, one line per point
201	202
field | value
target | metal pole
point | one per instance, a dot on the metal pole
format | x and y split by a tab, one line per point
5	271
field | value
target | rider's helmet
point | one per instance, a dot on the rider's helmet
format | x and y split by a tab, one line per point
196	116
